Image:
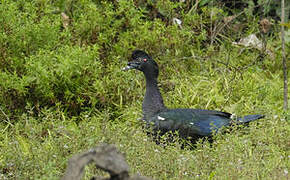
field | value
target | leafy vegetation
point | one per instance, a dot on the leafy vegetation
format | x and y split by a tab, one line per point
62	90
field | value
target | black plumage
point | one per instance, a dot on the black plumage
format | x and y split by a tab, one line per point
188	122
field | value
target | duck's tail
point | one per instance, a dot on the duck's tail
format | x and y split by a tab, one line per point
249	118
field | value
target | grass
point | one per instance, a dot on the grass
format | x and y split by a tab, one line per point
39	147
62	91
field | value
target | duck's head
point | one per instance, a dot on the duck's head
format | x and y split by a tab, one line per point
141	61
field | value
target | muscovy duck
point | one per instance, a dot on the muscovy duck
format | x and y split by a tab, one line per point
188	122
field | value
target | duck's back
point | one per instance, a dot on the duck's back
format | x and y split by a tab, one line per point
190	122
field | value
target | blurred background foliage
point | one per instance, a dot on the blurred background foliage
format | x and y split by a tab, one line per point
45	63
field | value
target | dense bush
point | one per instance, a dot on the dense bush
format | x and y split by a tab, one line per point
46	64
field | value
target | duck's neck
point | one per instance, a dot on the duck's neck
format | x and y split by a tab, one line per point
153	102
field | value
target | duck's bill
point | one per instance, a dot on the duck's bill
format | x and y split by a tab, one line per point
132	65
127	68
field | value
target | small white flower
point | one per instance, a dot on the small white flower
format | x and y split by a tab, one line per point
176	21
160	118
156	150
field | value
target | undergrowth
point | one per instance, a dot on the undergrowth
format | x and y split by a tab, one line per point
62	90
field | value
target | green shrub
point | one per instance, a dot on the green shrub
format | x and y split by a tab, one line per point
65	76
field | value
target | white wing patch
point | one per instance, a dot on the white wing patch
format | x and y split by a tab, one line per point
160	118
233	116
191	123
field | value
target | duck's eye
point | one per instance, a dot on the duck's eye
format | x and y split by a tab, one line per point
144	59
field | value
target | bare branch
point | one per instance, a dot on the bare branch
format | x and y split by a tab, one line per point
107	158
284	56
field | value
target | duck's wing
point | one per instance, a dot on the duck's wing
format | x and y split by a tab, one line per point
190	121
